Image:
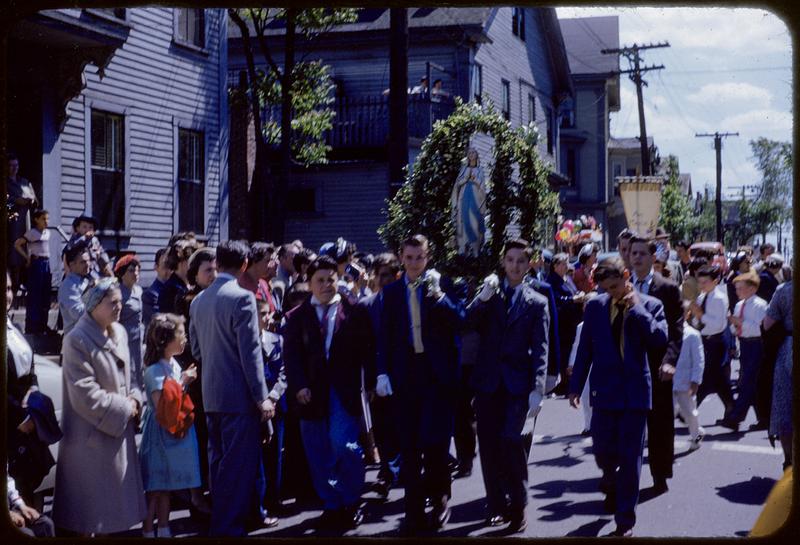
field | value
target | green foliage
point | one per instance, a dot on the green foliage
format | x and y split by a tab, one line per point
422	205
311	84
677	214
773	202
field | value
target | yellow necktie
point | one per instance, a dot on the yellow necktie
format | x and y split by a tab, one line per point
416	322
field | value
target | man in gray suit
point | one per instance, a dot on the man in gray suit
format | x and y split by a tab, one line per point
513	321
225	337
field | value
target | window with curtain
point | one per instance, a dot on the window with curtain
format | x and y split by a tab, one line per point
477	83
505	100
190	26
518	23
191	181
108	169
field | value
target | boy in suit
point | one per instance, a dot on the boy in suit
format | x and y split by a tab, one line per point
325	348
619	328
418	364
509	378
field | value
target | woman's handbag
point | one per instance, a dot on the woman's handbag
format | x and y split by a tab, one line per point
175	410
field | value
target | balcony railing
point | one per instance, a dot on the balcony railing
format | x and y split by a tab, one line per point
363	122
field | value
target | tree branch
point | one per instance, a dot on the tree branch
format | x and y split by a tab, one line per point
262	42
251	71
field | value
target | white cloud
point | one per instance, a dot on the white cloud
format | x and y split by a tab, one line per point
727	93
729	29
761	122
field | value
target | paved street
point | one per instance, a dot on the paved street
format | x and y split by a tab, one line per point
716	491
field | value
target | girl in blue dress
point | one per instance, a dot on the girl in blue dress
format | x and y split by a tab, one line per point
168	462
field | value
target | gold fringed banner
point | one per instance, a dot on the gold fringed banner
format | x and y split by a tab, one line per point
641	199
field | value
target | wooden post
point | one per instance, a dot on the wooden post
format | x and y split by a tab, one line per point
398	97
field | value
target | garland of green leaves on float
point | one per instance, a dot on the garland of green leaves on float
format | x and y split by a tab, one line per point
422	204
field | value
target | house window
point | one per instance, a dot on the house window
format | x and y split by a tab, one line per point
631	172
572	164
518	22
550	135
191	181
108	170
477	83
505	100
302	200
617	169
190	26
531	108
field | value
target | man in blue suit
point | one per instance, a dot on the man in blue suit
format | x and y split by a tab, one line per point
225	337
509	378
620	327
418	364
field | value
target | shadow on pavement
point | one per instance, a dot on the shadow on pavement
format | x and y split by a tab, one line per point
562	510
469	511
590	529
556	489
752	492
562	461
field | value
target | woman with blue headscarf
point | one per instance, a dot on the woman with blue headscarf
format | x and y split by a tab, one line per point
468	204
98	479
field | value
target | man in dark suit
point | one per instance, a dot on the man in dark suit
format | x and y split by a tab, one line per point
554	342
620	327
225	337
387	270
418	364
661	419
326	345
569	307
768	276
509	378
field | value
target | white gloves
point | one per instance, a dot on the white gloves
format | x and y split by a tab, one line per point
534	404
382	386
432	278
490	286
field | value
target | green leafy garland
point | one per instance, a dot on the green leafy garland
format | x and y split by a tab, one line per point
422	205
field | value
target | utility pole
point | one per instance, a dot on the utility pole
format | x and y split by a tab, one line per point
398	97
635	74
718	147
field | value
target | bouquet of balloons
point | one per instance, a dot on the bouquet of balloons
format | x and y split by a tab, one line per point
574	231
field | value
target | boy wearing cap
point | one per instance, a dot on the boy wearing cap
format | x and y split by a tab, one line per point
746	325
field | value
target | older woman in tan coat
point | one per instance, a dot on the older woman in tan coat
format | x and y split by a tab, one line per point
98	486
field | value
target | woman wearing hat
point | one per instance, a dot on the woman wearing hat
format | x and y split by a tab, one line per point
98	477
127	272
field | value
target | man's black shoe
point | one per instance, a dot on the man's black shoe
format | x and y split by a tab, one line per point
353	517
440	514
730	424
496	520
462	471
382	489
660	485
517	525
759	426
621	532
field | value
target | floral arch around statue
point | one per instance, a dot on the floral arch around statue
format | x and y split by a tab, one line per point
424	204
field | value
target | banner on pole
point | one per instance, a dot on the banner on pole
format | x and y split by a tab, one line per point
641	199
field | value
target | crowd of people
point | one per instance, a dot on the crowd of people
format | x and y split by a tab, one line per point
257	372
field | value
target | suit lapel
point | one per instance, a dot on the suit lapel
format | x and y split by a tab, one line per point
518	308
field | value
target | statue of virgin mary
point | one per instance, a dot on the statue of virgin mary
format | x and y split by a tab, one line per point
468	204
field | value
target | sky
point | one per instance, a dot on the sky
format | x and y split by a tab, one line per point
727	70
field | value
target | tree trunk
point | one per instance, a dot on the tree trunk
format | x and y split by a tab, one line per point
277	216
